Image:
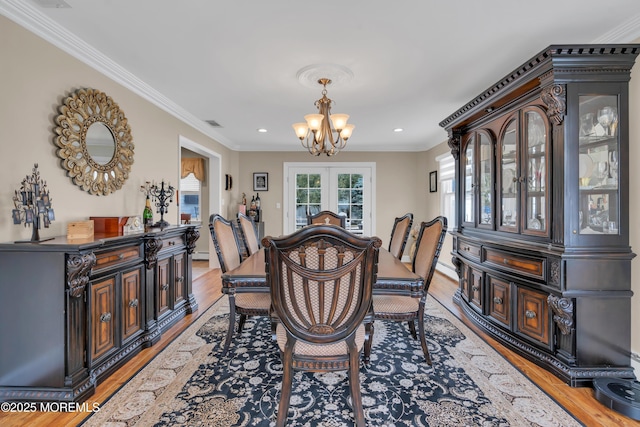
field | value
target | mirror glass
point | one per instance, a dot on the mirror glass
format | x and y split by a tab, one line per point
101	145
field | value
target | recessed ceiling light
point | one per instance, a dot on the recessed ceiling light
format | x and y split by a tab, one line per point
262	130
398	130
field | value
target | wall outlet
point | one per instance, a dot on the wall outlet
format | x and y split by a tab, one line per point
277	205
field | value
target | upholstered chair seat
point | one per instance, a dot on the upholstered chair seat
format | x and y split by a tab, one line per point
309	349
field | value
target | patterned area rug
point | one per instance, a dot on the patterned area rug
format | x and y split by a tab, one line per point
469	384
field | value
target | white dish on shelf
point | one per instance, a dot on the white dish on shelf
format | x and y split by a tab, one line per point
534	224
585	166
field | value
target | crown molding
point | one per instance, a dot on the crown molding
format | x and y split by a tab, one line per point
29	17
626	32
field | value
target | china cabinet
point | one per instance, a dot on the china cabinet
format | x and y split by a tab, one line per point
542	198
73	311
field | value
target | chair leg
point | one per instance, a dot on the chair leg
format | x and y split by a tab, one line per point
354	384
232	323
423	339
368	341
243	317
287	378
412	328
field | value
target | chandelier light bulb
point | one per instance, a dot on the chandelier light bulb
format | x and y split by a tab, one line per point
346	132
301	130
314	121
339	121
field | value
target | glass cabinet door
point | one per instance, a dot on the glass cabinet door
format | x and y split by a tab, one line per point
599	149
469	181
485	169
535	161
509	183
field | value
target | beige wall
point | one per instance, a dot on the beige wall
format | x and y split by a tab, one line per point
36	77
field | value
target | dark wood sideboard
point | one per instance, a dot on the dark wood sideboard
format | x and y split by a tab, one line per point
73	311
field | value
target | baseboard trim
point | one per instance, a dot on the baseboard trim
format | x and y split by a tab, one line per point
447	270
201	256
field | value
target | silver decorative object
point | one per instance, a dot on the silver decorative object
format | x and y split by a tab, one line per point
33	204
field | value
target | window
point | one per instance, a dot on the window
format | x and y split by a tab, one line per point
190	196
446	166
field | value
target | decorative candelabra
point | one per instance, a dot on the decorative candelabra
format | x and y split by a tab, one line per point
159	196
33	204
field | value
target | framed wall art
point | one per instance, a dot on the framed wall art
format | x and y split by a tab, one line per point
260	181
433	182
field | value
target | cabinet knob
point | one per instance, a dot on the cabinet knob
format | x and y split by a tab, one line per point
121	256
530	314
497	300
133	303
506	261
165	287
475	288
179	279
105	317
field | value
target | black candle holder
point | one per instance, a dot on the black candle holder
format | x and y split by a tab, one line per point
33	205
159	196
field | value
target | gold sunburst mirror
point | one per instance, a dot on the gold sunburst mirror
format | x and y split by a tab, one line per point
94	141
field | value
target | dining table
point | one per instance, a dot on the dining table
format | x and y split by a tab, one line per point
393	276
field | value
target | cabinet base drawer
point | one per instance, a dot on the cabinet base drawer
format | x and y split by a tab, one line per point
533	267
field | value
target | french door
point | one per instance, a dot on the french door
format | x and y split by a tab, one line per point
345	189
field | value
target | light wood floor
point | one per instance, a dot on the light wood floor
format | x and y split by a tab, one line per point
579	401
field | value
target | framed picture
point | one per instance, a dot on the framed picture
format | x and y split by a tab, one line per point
433	182
260	181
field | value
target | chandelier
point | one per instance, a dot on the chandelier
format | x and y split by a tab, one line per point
317	135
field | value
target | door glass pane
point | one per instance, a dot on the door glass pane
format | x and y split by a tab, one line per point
308	197
536	139
486	180
350	200
509	176
599	211
469	181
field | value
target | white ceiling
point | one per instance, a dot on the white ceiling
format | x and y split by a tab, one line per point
413	62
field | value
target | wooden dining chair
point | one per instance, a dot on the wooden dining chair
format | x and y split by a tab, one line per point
321	279
397	306
327	217
248	234
245	302
399	234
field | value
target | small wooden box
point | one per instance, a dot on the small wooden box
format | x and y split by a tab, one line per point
80	230
109	224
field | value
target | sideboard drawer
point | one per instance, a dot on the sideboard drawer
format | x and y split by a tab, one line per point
533	267
469	250
115	257
170	243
